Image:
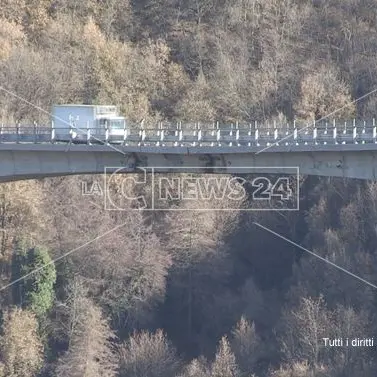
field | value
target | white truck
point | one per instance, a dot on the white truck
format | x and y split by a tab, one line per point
77	122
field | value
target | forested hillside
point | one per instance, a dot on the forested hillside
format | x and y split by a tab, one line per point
186	293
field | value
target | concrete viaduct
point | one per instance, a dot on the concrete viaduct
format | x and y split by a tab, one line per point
337	151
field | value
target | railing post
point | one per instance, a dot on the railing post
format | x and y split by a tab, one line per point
125	133
88	135
18	132
106	132
71	132
315	135
35	132
295	135
287	130
52	132
325	133
162	135
335	135
354	135
257	137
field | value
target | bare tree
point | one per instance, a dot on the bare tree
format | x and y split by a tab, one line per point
305	329
11	35
299	369
21	212
197	368
322	93
246	345
90	352
225	362
148	355
20	345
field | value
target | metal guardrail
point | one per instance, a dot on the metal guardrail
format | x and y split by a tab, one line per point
198	135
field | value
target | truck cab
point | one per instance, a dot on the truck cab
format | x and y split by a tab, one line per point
112	123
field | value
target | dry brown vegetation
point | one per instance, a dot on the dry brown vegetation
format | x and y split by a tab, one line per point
187	294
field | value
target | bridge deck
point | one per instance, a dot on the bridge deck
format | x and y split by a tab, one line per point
200	137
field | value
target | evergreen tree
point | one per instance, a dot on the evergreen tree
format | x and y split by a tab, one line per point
35	276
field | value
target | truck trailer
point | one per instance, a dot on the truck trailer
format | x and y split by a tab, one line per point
72	122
